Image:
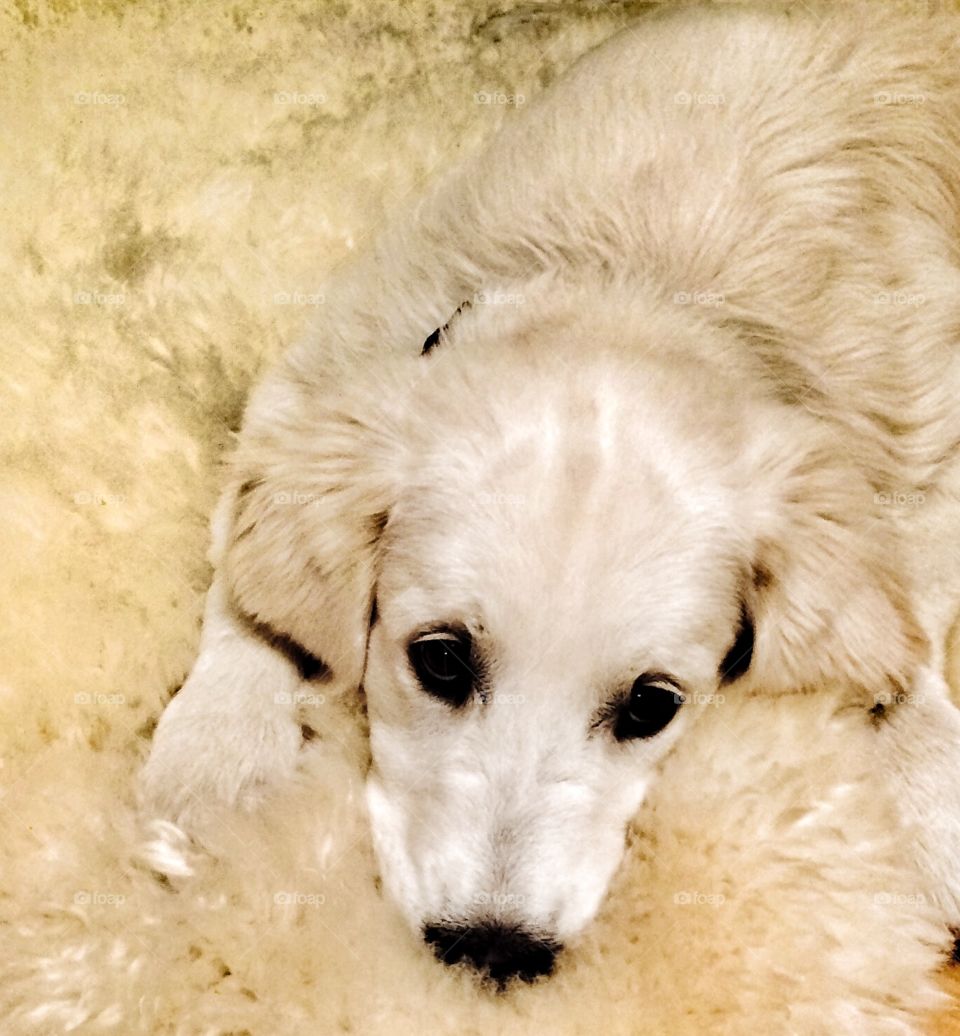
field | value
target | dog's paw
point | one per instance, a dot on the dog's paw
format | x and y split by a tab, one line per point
204	760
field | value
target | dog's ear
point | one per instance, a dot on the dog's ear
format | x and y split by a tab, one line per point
824	602
314	479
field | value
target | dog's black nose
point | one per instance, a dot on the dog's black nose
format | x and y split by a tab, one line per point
498	951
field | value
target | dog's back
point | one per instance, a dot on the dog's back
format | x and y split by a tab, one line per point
793	177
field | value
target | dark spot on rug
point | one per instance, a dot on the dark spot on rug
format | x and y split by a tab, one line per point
147	728
130	250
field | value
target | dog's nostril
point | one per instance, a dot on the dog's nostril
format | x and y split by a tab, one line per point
498	951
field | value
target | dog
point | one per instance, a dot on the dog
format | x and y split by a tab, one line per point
606	424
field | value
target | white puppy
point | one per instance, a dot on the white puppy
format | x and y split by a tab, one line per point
713	289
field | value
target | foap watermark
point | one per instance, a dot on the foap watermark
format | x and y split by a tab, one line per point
307	98
897	697
499	899
99	98
299	698
900	498
705	98
499	499
99	298
695	898
898	97
507	699
297	898
86	497
697	698
499	298
499	97
98	700
295	496
913	299
900	899
699	298
299	298
94	897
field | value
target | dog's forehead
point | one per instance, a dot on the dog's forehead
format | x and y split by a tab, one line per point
560	521
561	451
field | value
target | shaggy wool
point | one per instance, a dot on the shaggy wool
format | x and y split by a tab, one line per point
177	179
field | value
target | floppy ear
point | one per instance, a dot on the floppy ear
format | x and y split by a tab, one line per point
825	595
314	479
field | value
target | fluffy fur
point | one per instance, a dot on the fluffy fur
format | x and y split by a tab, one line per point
766	884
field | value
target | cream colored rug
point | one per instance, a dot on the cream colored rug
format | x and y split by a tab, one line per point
176	180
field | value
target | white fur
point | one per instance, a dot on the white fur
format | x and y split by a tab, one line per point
692	377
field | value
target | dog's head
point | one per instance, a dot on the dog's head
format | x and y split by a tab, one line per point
544	550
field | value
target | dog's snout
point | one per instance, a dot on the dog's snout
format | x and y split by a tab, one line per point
500	952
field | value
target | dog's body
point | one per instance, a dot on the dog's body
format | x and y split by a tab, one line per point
714	292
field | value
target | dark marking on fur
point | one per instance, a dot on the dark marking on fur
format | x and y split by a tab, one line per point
374	615
307	732
955	952
878	714
762	576
378	523
433	339
248	487
737	660
309	666
241	534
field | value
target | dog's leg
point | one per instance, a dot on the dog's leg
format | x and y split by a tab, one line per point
234	725
919	743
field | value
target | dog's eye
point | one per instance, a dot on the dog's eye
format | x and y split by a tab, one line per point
653	702
442	662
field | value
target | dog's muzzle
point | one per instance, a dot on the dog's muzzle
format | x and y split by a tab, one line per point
499	952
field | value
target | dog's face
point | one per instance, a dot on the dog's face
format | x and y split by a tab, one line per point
552	610
569	556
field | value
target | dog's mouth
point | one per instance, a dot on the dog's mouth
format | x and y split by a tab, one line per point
499	953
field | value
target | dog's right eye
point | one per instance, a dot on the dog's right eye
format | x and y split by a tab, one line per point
442	663
654	701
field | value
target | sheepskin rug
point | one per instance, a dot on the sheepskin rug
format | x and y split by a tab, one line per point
177	178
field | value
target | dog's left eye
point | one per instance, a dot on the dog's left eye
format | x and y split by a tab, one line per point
442	662
652	704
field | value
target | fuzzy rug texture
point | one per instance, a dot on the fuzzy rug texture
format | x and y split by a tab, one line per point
176	180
